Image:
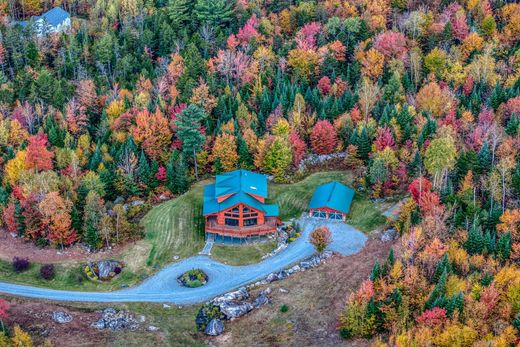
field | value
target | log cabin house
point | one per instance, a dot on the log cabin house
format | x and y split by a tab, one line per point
234	206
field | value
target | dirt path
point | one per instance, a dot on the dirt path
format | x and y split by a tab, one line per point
16	247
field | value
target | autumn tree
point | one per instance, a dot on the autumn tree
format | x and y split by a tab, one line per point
278	157
152	132
56	216
323	137
225	150
38	156
321	238
440	156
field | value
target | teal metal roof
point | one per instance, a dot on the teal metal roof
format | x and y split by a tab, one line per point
333	195
241	181
240	184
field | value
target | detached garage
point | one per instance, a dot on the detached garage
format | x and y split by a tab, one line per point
331	201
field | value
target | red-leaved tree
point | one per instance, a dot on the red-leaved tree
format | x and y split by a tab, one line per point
38	156
323	137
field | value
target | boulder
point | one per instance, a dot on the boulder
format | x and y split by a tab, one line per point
283	290
234	310
61	317
152	328
106	267
237	295
272	277
215	327
116	320
260	300
389	235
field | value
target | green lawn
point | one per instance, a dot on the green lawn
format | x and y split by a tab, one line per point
242	254
175	227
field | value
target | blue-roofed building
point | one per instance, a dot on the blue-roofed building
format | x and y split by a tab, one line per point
234	206
331	201
52	21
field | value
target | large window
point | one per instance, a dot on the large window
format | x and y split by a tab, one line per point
250	222
231	222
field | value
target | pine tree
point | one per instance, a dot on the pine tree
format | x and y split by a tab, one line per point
214	12
143	169
438	294
376	272
188	124
484	159
455	303
442	266
504	246
475	242
364	145
96	159
489	243
179	12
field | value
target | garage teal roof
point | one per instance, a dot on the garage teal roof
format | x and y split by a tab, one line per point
333	195
240	184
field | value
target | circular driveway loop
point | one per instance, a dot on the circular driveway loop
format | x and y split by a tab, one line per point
163	286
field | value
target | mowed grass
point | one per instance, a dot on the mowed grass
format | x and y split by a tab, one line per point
242	254
175	227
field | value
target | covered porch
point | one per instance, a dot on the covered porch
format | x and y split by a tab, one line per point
269	226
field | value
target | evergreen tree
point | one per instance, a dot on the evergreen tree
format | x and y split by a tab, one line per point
364	145
143	169
438	294
455	303
214	12
504	246
179	12
188	124
484	159
475	242
442	266
96	159
376	272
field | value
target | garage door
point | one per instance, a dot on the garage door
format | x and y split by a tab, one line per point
319	214
335	215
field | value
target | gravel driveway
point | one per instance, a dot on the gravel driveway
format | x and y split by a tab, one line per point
163	286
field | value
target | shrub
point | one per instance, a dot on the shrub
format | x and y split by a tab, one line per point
117	270
47	272
20	264
284	308
320	238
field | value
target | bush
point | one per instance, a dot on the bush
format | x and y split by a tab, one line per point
20	264
320	238
117	270
284	308
47	272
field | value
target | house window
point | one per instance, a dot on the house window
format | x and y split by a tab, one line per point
231	222
250	222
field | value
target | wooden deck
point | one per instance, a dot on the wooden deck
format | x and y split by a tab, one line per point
225	230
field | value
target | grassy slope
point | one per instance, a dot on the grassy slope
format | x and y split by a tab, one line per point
242	254
175	227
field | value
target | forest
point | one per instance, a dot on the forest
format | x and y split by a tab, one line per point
142	98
